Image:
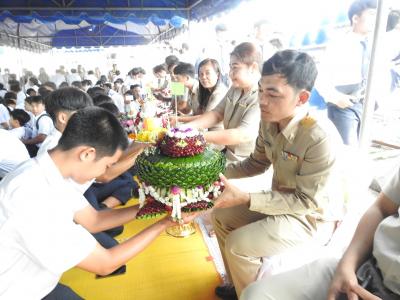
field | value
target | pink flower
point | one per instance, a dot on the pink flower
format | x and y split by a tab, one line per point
175	190
129	122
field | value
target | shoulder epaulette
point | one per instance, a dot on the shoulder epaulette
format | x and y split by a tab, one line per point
308	121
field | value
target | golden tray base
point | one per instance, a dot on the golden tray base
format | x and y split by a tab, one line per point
182	231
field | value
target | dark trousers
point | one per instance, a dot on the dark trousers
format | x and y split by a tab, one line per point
62	292
120	188
347	121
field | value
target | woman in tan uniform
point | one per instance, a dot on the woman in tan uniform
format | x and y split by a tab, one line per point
210	93
238	110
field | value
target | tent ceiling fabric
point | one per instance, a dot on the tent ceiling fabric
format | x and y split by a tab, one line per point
76	23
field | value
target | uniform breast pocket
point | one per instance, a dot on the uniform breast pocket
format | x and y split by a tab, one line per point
288	163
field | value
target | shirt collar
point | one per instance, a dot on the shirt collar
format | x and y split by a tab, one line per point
49	168
290	131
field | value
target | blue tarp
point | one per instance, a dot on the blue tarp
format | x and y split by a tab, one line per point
68	23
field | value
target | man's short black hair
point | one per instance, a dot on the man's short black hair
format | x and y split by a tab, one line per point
171	60
184	69
77	84
67	99
359	6
118	80
133	86
94	127
99	99
20	115
96	90
159	68
111	107
298	68
34	99
87	82
30	90
50	84
10	95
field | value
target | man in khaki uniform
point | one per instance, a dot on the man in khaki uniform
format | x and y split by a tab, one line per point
306	196
369	268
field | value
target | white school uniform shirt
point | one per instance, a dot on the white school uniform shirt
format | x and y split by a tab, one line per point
118	100
4	114
45	125
49	143
20	100
20	132
39	239
12	152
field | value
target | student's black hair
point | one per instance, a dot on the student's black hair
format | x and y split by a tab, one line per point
1	86
111	107
248	54
10	95
21	116
171	60
50	84
99	99
94	127
87	82
205	94
63	84
77	84
134	86
29	91
108	84
34	99
44	91
96	90
298	68
159	68
135	71
67	99
184	69
14	86
118	80
359	6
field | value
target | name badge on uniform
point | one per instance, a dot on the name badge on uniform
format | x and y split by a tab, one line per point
242	104
288	156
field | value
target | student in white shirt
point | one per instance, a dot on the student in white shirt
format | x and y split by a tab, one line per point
42	127
12	153
46	224
18	119
6	106
117	98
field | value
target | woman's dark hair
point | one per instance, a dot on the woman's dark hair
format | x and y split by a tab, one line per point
21	116
204	93
248	54
298	68
94	127
67	99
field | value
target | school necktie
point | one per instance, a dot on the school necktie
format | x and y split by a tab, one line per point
365	60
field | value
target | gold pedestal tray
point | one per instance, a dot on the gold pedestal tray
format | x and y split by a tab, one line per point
182	231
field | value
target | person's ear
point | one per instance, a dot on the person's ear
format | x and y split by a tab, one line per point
303	97
87	154
355	19
62	118
254	67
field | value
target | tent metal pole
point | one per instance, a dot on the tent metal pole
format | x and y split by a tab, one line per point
372	89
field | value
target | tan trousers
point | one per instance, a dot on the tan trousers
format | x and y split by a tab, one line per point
310	282
246	236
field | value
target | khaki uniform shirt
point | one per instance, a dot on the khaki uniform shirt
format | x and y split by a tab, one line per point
306	181
386	240
240	112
